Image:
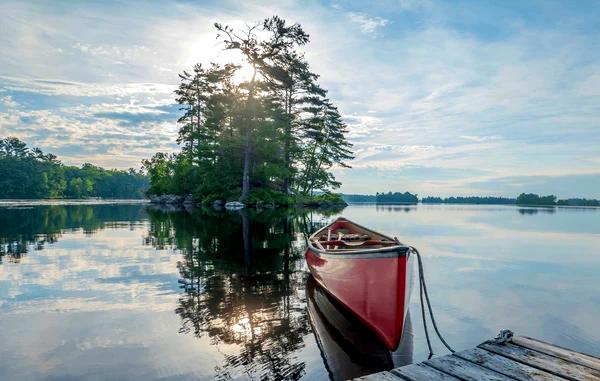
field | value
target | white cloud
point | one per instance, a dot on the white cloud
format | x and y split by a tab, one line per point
480	138
57	87
362	126
76	136
9	102
368	24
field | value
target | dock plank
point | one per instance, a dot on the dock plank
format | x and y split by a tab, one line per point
421	372
548	363
506	366
518	358
553	350
465	370
381	376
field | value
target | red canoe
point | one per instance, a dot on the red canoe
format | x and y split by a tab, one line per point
366	271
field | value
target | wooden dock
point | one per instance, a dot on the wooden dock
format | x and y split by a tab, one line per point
517	358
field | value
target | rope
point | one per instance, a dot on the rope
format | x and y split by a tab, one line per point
423	291
505	336
423	316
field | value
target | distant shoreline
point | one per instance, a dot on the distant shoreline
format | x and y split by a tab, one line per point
467	203
72	201
524	199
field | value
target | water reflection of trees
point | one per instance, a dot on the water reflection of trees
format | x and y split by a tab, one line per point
23	229
536	210
394	208
243	282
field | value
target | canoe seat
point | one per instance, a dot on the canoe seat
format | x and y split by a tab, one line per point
346	237
344	245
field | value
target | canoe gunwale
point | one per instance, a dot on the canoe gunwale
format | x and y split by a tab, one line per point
388	252
359	253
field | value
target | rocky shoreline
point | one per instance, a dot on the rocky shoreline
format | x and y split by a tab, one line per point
189	201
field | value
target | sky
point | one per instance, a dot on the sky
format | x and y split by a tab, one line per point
441	97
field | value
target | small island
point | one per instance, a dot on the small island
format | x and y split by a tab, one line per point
270	138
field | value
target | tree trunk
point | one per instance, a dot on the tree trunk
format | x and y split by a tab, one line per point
247	167
248	142
287	144
308	170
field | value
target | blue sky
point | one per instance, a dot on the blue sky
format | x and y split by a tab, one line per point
442	97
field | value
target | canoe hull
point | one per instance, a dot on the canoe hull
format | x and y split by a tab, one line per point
375	288
349	349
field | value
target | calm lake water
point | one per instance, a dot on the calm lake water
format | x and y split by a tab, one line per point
123	291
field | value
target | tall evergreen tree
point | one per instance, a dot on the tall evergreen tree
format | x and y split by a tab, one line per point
295	88
273	133
281	39
325	146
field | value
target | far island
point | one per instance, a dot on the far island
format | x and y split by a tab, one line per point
524	199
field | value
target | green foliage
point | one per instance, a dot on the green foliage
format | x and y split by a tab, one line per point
578	202
269	196
334	198
274	135
358	198
315	200
396	197
534	199
26	173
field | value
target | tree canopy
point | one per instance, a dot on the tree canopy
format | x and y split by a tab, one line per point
396	197
31	173
274	134
534	199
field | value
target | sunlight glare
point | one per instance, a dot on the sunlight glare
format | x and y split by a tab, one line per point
243	74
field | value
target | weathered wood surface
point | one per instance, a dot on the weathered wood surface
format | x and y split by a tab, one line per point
551	364
381	376
506	366
422	372
554	350
465	370
522	358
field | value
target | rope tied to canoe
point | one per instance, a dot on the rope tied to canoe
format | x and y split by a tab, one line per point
424	296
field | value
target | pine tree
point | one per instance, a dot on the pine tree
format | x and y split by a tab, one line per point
274	133
281	40
326	146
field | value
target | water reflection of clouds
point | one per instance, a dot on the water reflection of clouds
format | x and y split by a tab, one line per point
77	275
124	345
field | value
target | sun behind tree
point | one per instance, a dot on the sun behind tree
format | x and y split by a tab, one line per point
262	130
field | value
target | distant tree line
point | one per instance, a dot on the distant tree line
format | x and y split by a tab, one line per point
578	202
469	200
534	199
396	197
522	199
31	173
358	198
268	137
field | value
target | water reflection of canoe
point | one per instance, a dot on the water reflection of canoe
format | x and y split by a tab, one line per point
349	349
367	272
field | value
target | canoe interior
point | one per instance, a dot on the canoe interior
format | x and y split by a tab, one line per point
347	236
